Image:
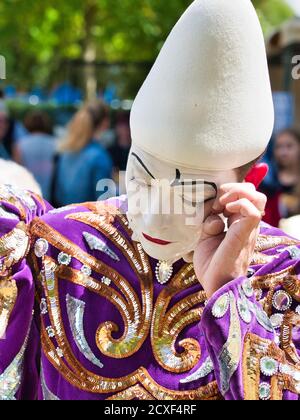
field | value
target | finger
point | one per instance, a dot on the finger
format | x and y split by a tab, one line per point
255	197
246	209
219	207
224	188
213	226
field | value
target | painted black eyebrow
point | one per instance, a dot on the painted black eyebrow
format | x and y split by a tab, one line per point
177	181
143	165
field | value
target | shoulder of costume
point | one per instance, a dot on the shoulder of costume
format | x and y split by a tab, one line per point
95	234
17	209
274	245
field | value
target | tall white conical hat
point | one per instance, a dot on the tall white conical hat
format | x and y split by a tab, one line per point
207	102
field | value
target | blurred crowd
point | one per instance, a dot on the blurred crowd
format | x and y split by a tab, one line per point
96	146
67	168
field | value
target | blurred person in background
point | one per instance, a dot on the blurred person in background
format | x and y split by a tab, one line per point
283	186
120	150
5	131
82	162
36	150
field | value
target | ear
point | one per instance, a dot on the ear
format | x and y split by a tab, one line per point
257	174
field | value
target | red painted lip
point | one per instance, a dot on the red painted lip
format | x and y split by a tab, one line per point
155	240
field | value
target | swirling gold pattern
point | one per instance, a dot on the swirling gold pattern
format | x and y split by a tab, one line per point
166	326
136	311
255	348
267	242
290	321
14	246
8	297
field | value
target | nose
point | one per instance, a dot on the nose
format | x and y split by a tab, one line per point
156	217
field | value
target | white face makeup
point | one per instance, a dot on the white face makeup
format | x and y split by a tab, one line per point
167	205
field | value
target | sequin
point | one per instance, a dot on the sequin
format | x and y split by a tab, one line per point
41	247
62	210
276	320
221	306
23	195
59	352
169	321
7	214
247	288
244	311
14	246
205	369
106	281
43	306
231	352
98	244
51	332
8	298
76	308
264	391
47	394
261	317
86	270
64	258
10	379
282	301
268	366
163	272
293	251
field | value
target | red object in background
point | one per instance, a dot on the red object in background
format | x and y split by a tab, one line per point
272	216
256	176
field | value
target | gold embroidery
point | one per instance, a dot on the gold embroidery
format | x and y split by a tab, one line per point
207	392
136	315
13	247
286	336
254	349
11	199
8	297
260	259
291	284
272	279
166	326
99	222
230	354
131	393
266	242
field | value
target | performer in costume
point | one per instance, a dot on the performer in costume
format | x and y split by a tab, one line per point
119	313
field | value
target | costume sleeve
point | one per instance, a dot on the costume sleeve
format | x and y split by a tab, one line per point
19	336
251	327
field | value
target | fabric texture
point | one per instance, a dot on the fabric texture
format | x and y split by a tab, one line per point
104	327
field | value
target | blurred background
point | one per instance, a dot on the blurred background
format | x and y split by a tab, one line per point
73	69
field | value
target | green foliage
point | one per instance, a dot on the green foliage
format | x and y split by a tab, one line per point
38	36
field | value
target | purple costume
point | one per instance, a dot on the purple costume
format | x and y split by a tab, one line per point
82	315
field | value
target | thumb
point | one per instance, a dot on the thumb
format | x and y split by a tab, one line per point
213	226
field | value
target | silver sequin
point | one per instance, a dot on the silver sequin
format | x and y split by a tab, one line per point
7	214
41	247
98	244
76	308
10	380
47	394
64	259
221	306
205	369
